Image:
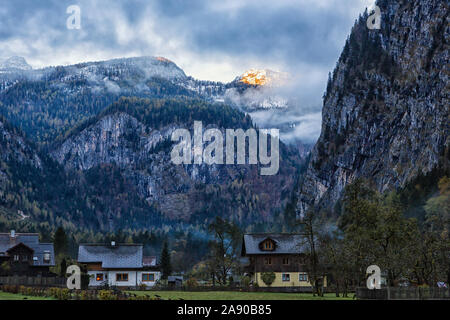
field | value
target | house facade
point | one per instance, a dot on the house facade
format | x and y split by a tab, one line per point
282	254
22	254
118	265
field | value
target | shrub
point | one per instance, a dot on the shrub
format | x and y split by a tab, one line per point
85	295
106	295
268	277
191	283
245	282
10	288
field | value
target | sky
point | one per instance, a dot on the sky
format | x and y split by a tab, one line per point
209	39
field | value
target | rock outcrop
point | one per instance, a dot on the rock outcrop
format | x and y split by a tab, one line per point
386	109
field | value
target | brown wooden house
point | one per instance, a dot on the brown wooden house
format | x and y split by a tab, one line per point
282	254
23	254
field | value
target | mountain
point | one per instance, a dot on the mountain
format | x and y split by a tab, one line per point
14	64
133	136
113	171
45	103
386	108
27	179
257	90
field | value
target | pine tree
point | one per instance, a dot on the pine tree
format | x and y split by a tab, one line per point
166	266
60	241
63	267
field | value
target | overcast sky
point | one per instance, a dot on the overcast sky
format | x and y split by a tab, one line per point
208	39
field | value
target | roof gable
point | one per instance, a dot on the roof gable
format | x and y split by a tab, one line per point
19	245
282	244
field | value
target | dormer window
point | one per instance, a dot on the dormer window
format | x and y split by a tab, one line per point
267	245
47	256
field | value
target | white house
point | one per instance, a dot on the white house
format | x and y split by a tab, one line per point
119	265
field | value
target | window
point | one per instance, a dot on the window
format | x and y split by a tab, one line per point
267	245
303	277
286	277
99	277
148	277
268	261
122	277
46	256
285	261
16	257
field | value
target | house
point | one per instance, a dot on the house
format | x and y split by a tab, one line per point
118	265
175	281
282	254
22	254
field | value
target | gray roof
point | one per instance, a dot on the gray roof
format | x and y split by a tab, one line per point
174	278
285	243
119	256
31	240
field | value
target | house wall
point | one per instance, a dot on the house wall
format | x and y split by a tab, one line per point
296	263
148	283
23	266
278	282
131	278
92	278
134	278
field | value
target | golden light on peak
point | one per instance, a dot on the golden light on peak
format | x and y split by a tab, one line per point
255	77
264	77
162	59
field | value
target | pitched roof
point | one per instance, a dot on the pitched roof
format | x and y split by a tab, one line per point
127	256
284	243
31	240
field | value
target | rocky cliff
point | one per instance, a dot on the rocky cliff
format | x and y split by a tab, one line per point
133	138
386	109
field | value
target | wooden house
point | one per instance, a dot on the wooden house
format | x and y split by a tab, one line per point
22	254
282	254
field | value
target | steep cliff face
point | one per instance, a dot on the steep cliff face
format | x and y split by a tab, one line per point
139	148
21	167
14	148
386	110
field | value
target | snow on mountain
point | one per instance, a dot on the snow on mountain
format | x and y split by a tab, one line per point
14	63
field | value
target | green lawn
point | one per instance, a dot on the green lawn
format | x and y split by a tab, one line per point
231	295
12	296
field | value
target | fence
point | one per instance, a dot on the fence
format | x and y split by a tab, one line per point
404	293
33	281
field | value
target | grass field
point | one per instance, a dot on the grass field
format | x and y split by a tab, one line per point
231	295
210	295
12	296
